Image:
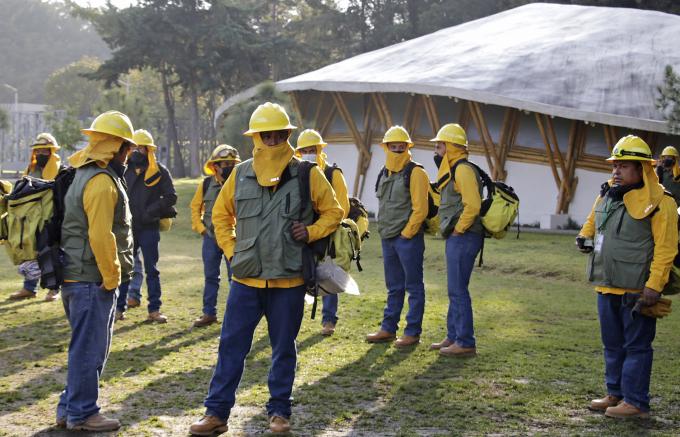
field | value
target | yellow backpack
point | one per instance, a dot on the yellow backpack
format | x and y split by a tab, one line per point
5	189
345	245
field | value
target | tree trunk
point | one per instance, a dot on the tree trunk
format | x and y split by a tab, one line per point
194	135
171	128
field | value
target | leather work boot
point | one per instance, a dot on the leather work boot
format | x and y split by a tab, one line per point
52	295
457	351
21	295
625	410
120	315
278	424
442	344
97	422
328	329
60	423
406	341
208	425
205	320
157	317
604	403
381	337
132	302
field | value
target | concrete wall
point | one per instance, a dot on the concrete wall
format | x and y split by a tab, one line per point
533	183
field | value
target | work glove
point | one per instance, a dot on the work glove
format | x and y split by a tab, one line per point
660	309
582	244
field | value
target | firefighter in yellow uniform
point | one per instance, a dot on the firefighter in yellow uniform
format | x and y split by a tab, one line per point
632	237
96	237
668	171
401	189
262	221
218	168
44	163
310	146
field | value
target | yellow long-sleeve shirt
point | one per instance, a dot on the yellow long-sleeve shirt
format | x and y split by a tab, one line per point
99	202
340	187
665	234
467	184
323	202
420	183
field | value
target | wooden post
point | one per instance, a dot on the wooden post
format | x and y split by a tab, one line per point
296	109
548	151
364	152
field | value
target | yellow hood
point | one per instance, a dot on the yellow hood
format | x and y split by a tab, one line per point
452	155
270	161
642	202
152	175
100	149
395	162
320	156
51	168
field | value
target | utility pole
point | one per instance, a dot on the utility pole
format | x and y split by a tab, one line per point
15	122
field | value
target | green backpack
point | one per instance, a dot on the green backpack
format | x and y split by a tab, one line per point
29	208
345	245
5	189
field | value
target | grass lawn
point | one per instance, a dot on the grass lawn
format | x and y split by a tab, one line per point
539	363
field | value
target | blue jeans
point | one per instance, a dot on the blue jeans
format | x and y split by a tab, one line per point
283	309
212	259
90	312
403	261
135	286
31	285
628	352
329	312
147	240
461	252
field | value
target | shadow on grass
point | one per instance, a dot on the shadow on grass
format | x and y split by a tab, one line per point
11	305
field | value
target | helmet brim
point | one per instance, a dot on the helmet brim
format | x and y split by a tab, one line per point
92	131
251	132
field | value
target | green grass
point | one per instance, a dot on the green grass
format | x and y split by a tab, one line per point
539	362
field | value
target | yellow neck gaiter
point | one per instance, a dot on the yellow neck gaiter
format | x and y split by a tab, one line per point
452	155
100	149
676	169
152	175
270	161
395	162
642	202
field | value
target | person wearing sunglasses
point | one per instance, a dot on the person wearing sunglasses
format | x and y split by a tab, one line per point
262	221
631	235
218	168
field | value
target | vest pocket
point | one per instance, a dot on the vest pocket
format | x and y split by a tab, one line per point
246	262
629	269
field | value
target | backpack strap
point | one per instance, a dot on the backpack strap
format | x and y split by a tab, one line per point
382	172
328	172
206	184
408	170
308	256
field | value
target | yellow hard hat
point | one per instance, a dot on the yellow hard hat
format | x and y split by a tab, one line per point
670	151
309	138
47	141
268	117
631	148
452	133
223	152
142	137
113	123
397	134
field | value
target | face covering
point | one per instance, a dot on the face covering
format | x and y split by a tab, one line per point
396	161
225	172
270	161
117	167
41	160
668	162
438	160
138	159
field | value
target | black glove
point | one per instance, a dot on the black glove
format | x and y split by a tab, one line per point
582	245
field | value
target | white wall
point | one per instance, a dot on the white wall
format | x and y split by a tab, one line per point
534	183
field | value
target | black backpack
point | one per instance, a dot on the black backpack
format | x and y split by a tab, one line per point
432	207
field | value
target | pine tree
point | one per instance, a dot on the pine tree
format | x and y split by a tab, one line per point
669	100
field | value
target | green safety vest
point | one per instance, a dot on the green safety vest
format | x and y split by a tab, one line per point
671	185
451	207
265	248
80	263
394	204
624	247
209	198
